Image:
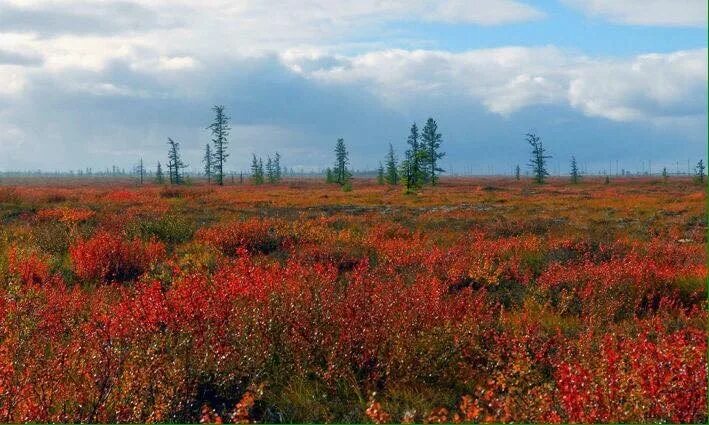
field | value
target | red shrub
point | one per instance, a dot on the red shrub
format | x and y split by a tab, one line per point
29	267
109	258
256	236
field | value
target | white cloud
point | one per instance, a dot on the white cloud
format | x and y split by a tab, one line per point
13	80
691	13
63	59
654	85
484	12
508	79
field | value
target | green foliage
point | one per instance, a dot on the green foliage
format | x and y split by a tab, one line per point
539	159
392	174
175	164
413	171
207	161
257	176
380	174
159	176
341	174
575	175
699	171
329	176
172	229
220	133
430	143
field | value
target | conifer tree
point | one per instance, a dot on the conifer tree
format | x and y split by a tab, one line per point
175	163
159	177
575	176
220	133
700	171
270	172
341	173
517	172
430	143
392	174
140	170
380	174
256	170
539	158
329	177
665	175
207	161
412	167
277	167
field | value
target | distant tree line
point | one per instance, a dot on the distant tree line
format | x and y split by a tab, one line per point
419	166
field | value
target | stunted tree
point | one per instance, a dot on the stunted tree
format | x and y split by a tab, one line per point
380	174
392	173
665	174
539	158
207	161
257	170
430	143
575	175
700	171
270	173
517	172
140	171
175	164
159	176
412	168
277	173
329	176
220	133
340	171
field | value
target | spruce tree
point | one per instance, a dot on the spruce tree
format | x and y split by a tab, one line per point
140	170
517	172
256	170
277	167
341	173
665	175
430	143
539	159
412	167
270	173
159	177
574	171
220	133
380	174
329	177
175	163
392	174
207	161
700	171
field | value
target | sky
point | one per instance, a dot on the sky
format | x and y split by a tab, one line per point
97	83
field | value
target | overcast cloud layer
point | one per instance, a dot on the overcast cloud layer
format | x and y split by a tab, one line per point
97	83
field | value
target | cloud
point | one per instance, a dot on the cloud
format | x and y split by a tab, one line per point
75	17
88	82
652	86
483	12
506	80
8	57
670	13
